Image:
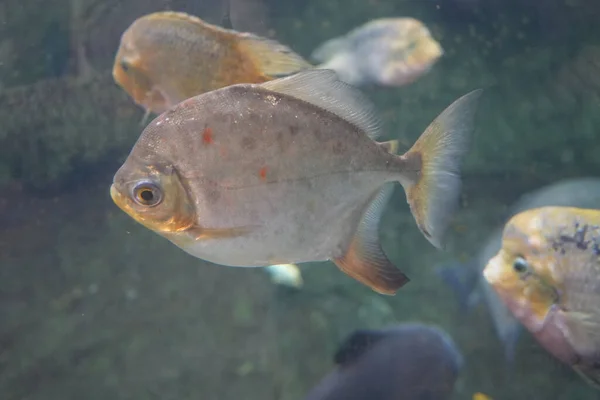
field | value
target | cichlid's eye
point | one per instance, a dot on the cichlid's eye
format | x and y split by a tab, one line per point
520	265
147	194
124	65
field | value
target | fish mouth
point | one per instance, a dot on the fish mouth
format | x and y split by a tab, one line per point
493	271
118	198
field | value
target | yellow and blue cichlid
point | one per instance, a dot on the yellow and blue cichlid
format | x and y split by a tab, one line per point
384	51
288	171
167	57
548	274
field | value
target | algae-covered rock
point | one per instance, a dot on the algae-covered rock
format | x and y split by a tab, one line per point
34	40
54	127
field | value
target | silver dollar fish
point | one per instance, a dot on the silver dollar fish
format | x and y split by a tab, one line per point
288	171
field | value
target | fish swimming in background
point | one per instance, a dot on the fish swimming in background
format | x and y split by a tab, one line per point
167	57
467	280
481	396
548	274
410	361
386	52
286	275
288	171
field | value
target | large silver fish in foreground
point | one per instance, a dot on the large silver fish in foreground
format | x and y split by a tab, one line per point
287	171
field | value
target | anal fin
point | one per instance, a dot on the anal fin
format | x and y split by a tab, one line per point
364	260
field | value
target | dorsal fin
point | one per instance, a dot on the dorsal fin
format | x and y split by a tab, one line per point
322	88
357	344
269	56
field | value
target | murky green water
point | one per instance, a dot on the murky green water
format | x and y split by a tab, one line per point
95	306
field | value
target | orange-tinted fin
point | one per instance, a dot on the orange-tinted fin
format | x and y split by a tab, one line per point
271	57
365	260
432	167
391	146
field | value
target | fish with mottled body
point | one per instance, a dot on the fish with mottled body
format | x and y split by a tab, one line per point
288	171
548	275
467	280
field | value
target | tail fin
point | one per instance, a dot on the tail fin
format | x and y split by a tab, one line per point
435	160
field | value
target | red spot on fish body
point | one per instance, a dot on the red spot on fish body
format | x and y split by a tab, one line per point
263	173
207	137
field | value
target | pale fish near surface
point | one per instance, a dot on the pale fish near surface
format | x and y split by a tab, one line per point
548	274
287	172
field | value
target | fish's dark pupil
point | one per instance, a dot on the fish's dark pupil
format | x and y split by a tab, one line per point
520	265
147	195
124	65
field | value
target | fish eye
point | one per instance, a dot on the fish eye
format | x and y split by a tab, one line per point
147	194
520	265
124	65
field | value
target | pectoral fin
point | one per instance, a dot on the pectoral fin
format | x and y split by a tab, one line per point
365	260
199	233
